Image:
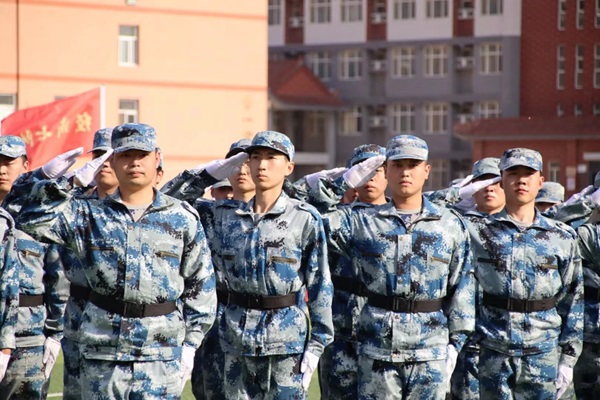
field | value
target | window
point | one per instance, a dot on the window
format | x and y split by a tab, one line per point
128	45
597	15
315	126
128	111
437	8
403	118
320	64
351	65
597	65
562	14
274	12
596	109
7	105
403	62
320	11
436	61
438	176
489	109
560	67
580	13
553	171
559	110
404	9
351	122
436	117
578	66
490	62
577	111
491	7
351	10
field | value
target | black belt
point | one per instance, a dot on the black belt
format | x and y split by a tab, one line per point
518	305
31	300
349	285
79	292
131	310
404	304
223	296
591	293
258	302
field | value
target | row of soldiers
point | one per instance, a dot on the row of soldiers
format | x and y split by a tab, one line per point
470	289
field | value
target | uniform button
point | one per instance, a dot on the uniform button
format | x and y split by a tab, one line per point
130	227
396	317
514	277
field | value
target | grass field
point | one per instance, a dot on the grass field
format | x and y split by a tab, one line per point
56	384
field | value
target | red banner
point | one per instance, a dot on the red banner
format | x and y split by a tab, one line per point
56	127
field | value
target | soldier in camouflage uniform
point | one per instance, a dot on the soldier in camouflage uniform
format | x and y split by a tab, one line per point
274	259
148	266
338	366
530	318
414	259
42	297
551	194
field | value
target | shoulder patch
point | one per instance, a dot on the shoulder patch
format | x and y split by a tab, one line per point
186	206
310	209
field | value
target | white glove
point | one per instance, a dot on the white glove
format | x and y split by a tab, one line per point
221	169
362	172
85	175
187	364
60	164
4	359
464	181
563	380
451	356
308	367
468	191
596	197
51	350
312	179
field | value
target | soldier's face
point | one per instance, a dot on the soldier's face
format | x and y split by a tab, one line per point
490	199
10	169
374	190
269	168
106	178
406	177
135	168
241	181
521	185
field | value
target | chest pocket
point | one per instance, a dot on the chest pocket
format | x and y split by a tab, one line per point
31	271
547	277
282	265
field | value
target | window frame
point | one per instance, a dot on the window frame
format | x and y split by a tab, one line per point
131	42
561	61
347	58
320	11
403	59
435	57
319	62
492	7
436	9
430	113
398	9
403	114
274	12
489	57
578	69
351	11
352	117
124	112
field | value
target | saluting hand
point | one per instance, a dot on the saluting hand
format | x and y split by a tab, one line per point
60	164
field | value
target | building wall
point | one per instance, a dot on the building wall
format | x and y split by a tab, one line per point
201	80
541	37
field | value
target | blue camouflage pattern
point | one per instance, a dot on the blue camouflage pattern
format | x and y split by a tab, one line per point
551	192
133	136
364	152
161	257
238	147
24	378
407	147
9	282
521	157
102	140
273	140
12	146
486	166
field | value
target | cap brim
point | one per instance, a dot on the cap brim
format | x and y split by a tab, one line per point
234	151
405	157
100	148
250	149
547	200
519	165
134	147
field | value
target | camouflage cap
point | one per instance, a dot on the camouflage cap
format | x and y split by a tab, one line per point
406	147
273	140
551	192
12	146
597	180
521	157
102	140
364	152
223	183
160	161
238	147
486	166
133	137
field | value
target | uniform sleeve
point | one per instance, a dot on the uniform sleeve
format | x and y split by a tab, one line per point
189	185
9	286
338	230
199	294
570	306
580	209
459	304
319	288
56	293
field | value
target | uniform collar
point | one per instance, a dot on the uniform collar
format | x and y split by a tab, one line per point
539	221
428	209
160	200
278	208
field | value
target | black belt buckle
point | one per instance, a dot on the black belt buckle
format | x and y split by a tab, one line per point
133	310
528	306
403	304
253	302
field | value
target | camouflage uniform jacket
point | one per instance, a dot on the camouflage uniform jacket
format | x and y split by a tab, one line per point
40	273
159	258
589	245
281	252
427	260
9	282
532	263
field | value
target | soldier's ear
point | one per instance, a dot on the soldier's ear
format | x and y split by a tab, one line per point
289	168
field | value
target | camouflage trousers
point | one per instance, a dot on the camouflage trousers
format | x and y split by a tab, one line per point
338	371
402	380
586	375
24	377
263	378
465	379
107	380
71	370
511	377
209	362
